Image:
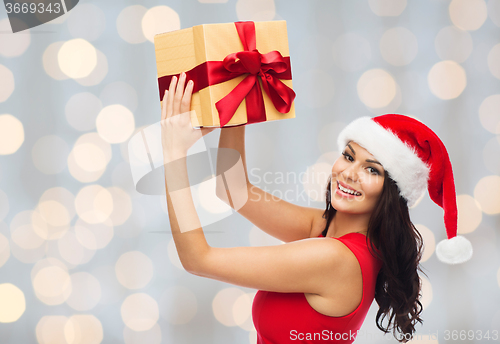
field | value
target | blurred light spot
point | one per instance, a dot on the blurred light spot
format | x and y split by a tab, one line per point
12	45
81	111
351	52
252	337
140	312
494	11
426	292
173	255
392	106
387	8
27	256
208	199
50	63
94	204
178	305
12	303
447	79
398	46
80	26
11	131
80	173
242	311
44	263
223	303
129	24
7	86
469	214
77	58
72	251
50	154
98	73
122	206
468	14
316	88
429	241
86	291
487	193
89	157
4	249
255	10
376	88
83	329
494	61
489	113
4	205
315	180
22	232
115	123
52	285
54	213
134	270
65	199
452	43
119	92
50	328
258	237
94	236
151	336
159	19
328	158
491	155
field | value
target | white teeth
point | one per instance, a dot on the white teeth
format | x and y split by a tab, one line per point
352	192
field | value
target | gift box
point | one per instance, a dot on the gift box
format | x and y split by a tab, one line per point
241	71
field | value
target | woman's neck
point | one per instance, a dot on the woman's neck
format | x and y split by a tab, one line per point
345	223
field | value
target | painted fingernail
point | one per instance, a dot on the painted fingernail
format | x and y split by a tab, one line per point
190	83
174	79
183	75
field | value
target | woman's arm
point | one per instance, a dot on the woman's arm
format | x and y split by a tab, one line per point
280	219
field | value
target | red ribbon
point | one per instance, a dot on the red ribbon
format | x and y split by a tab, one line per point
268	68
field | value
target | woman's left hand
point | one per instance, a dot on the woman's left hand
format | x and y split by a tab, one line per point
178	135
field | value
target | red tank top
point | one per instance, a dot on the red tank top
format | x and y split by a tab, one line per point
281	318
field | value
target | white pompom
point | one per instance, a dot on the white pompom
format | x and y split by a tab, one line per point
454	251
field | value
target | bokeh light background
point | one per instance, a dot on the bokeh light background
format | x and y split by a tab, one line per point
84	258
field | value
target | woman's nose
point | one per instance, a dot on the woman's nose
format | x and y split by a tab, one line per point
350	173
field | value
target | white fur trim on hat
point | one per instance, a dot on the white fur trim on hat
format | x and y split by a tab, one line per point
455	250
398	159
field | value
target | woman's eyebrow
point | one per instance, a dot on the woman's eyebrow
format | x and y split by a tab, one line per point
374	161
353	152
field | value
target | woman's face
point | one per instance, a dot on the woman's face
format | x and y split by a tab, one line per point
357	181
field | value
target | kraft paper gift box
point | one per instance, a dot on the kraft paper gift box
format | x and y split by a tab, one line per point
228	64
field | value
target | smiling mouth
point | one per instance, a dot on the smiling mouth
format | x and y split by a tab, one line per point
347	191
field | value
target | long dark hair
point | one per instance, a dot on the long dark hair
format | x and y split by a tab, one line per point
398	286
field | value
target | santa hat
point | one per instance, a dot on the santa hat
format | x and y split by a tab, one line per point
416	160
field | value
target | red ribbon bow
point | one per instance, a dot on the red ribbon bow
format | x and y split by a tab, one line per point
269	68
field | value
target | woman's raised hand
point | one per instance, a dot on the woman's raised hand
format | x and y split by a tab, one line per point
178	135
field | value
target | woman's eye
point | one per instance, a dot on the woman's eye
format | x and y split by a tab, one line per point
373	170
347	156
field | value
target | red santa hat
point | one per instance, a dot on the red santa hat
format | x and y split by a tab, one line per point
416	159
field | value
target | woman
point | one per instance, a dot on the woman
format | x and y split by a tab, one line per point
313	288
